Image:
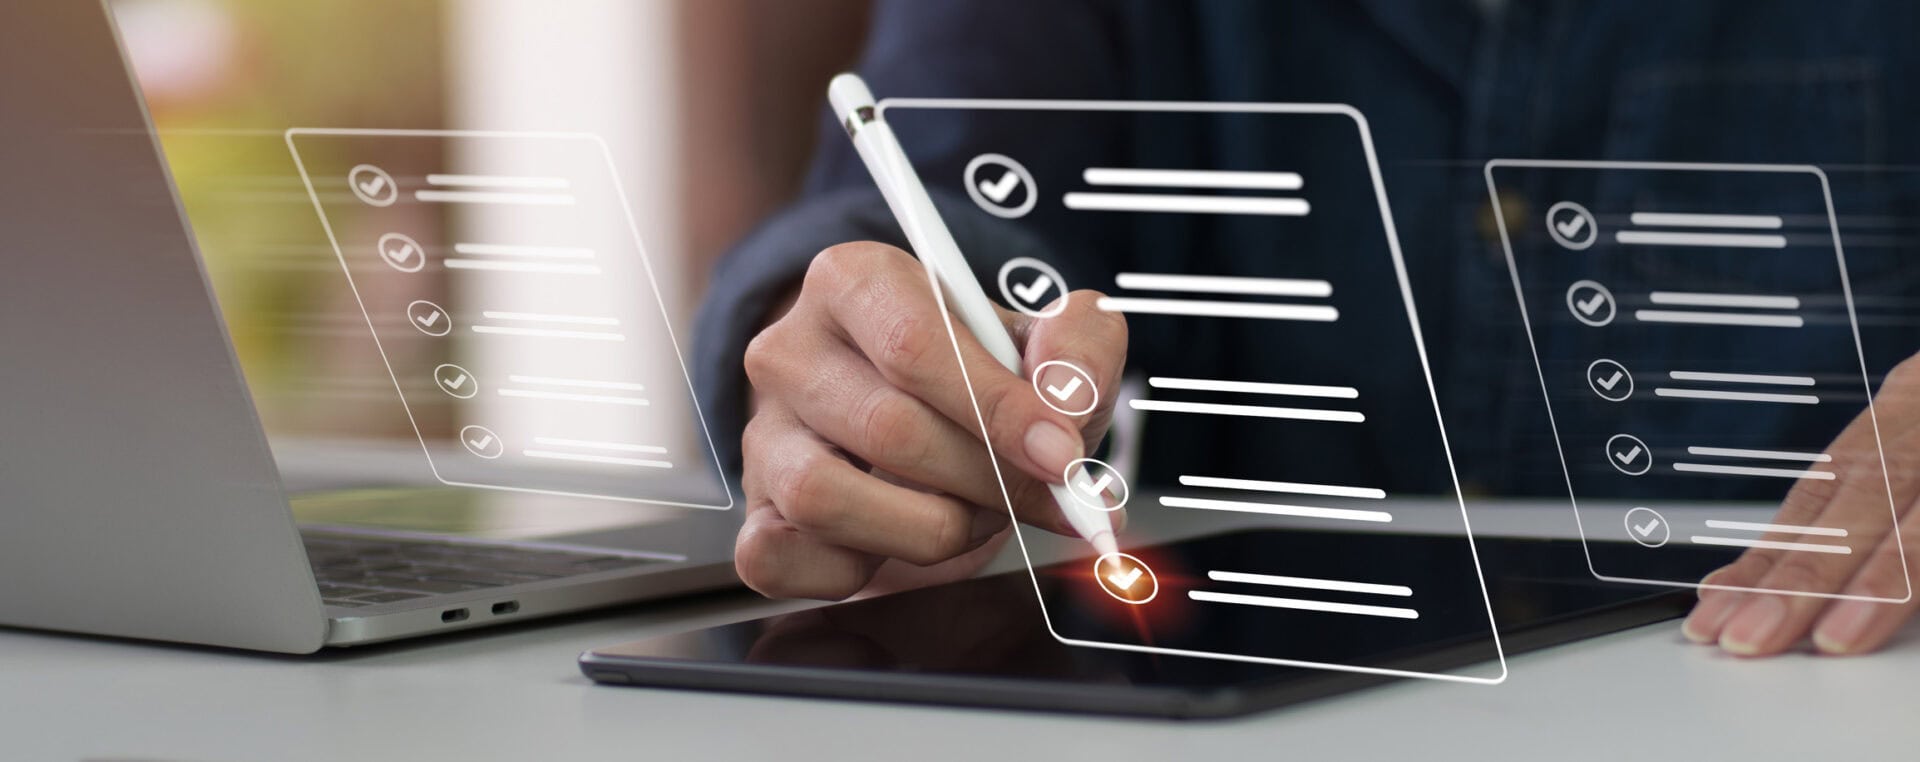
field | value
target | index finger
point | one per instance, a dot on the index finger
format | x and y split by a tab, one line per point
886	306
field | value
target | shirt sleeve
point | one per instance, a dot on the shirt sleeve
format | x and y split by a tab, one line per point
922	48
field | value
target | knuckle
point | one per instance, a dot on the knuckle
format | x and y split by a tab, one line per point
758	357
756	438
1008	408
1904	373
1808	496
841	265
1884	582
801	493
767	360
889	430
1794	575
947	539
905	341
831	266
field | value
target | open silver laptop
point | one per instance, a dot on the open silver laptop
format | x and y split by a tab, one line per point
138	494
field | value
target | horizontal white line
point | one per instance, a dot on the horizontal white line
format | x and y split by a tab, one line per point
549	333
1249	411
521	267
1310	583
579	383
1218	309
498	181
508	250
494	197
1745	221
1730	240
596	445
1254	387
1193	178
607	459
1755	301
536	317
1771	544
1735	452
1222	284
1754	526
1275	509
1157	202
1784	473
1719	318
1740	378
1710	394
604	399
1252	485
1295	603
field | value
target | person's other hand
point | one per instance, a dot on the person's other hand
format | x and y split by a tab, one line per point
863	450
1763	624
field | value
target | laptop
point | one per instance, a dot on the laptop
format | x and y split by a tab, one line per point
138	494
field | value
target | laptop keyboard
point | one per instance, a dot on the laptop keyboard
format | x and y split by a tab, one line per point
356	570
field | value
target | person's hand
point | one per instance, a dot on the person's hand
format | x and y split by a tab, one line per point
1762	624
863	450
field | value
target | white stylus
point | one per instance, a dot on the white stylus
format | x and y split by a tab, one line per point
934	244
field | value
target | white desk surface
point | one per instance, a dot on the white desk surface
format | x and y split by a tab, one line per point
515	694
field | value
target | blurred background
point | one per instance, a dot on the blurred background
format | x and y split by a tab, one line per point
698	101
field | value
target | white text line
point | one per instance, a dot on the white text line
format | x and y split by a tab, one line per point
1295	603
1275	509
1248	411
1254	387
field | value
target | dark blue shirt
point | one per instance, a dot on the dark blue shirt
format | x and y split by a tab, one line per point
1446	86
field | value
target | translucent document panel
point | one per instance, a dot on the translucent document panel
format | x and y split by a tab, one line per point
1696	338
514	304
1251	398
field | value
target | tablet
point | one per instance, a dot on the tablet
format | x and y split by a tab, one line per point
984	642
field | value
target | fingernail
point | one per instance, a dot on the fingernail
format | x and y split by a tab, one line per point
1709	615
1052	448
1840	630
1753	625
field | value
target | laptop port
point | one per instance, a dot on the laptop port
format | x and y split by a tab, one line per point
453	615
504	608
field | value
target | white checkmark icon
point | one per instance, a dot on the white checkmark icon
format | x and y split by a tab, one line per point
1125	581
457	381
1094	488
1033	291
1591	305
1572	227
1063	392
1646	530
404	254
429	320
481	443
1628	456
999	190
373	186
1611	381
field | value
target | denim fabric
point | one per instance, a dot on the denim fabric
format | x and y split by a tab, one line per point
1446	85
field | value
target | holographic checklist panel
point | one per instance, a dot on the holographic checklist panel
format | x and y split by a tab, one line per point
511	298
1227	438
1696	339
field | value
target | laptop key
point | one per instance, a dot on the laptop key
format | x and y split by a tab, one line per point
342	602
